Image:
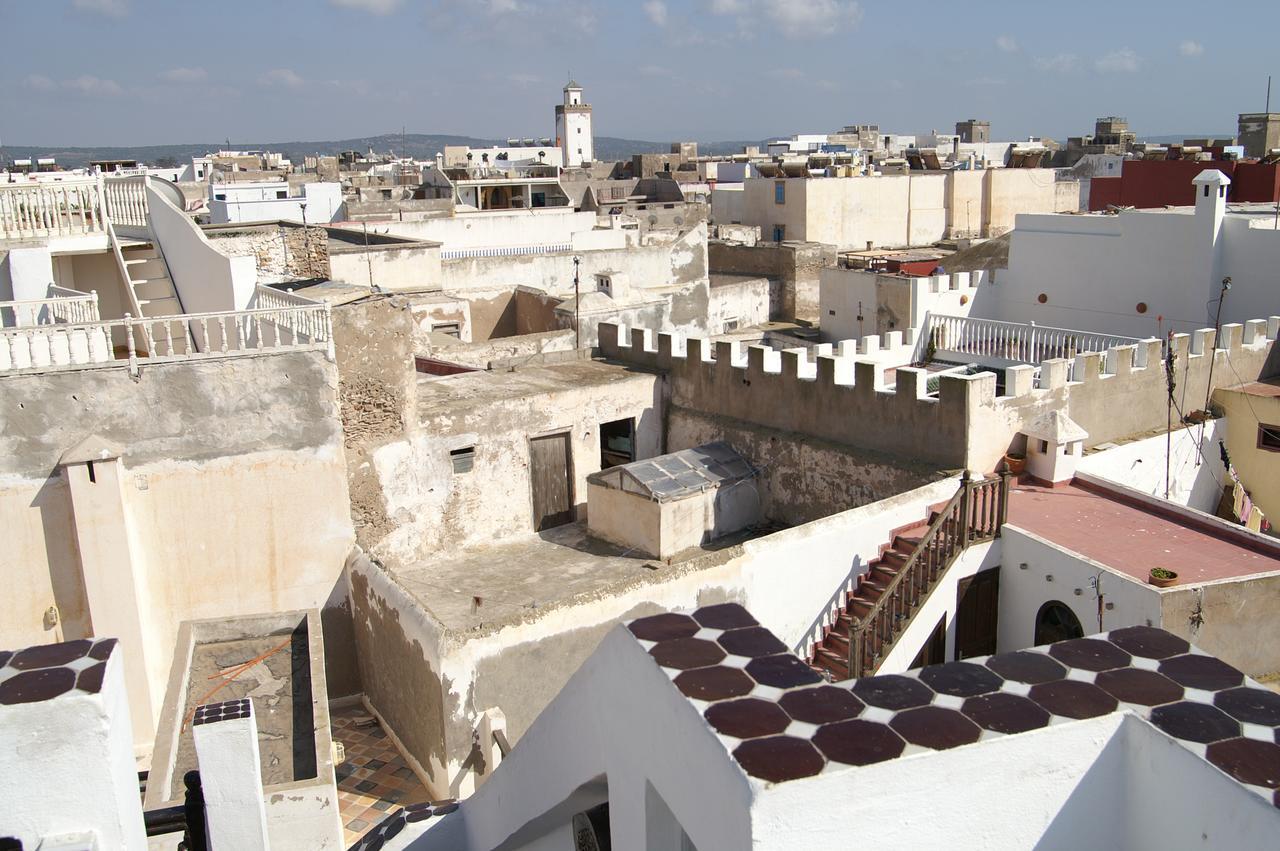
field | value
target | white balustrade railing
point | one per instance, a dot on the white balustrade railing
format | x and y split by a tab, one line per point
63	306
505	251
41	210
1029	343
134	342
126	200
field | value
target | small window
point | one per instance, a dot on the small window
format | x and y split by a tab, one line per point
463	459
1269	437
779	233
1044	447
779	192
220	197
451	329
281	193
1206	190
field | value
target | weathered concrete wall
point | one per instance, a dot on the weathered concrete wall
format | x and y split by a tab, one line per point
741	301
1233	619
801	478
234	495
797	264
282	253
373	341
405	267
487	354
427	507
845	400
660	262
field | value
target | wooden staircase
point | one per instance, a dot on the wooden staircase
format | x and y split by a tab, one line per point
898	581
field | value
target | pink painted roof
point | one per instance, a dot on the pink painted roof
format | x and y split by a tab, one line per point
1132	538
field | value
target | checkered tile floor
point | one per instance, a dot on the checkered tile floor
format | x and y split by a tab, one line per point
374	781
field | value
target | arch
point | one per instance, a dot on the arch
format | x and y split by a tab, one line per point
1056	622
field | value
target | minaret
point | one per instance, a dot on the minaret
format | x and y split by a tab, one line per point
573	128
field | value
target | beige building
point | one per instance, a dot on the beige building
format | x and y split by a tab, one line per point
1253	439
917	208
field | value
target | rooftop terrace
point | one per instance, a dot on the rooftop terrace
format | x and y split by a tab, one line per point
1131	537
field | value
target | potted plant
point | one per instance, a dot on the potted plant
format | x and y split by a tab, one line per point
1162	577
1016	462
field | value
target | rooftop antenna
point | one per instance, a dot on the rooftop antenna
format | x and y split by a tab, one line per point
1268	93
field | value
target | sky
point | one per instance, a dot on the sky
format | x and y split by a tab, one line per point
138	72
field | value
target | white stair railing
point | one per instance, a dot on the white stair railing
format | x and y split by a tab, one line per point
1026	343
62	306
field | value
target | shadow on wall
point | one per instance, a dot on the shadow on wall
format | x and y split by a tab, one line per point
53	501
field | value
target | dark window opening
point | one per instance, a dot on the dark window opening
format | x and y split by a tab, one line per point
617	443
282	193
92	476
1269	437
449	329
1056	622
463	459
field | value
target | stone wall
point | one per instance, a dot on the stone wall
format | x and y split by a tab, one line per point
284	252
797	264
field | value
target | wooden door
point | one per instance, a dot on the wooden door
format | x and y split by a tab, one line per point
934	651
977	609
549	481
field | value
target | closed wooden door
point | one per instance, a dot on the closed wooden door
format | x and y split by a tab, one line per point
552	489
977	610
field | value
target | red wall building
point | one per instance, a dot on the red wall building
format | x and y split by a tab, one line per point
1157	183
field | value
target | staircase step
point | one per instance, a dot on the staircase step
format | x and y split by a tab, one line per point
837	665
907	545
893	559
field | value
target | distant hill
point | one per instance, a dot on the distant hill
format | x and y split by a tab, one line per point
1179	138
417	145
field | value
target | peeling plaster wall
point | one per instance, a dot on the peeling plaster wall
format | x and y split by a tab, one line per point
802	478
786	579
429	508
1233	619
234	488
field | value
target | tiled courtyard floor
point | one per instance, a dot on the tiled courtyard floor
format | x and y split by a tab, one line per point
374	781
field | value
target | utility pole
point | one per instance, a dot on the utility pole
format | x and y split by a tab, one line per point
1213	355
577	329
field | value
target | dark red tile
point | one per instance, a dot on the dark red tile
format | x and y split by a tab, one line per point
1090	654
50	655
715	683
1005	713
102	649
1134	685
1026	667
779	758
1195	722
90	679
960	679
747	718
445	809
1248	760
1251	705
1202	672
37	685
751	642
858	742
1073	699
782	671
1148	642
935	727
663	627
821	705
724	616
686	653
891	691
5	656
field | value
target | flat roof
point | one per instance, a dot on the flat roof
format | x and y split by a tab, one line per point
482	589
446	395
1268	387
1131	538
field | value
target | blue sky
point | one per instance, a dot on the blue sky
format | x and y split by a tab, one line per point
131	72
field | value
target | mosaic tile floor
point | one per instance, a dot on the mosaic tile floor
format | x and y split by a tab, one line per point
374	781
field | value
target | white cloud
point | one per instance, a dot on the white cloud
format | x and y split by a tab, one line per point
524	80
184	75
793	18
85	85
40	83
1191	48
657	12
1122	61
786	73
1007	44
110	8
1062	63
283	77
373	7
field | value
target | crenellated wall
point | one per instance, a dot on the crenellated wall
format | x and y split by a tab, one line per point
843	395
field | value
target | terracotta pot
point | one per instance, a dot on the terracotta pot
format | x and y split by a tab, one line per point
1016	464
1163	583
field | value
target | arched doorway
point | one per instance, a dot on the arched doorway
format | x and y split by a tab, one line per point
1056	622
